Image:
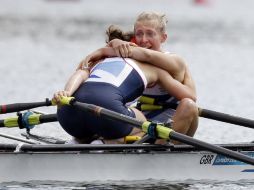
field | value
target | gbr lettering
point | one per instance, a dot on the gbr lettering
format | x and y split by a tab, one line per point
206	159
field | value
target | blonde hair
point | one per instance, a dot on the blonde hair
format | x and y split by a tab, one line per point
160	20
114	32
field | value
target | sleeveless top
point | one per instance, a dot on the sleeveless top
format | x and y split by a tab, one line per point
122	74
159	93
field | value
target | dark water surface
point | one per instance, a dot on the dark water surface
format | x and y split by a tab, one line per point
138	185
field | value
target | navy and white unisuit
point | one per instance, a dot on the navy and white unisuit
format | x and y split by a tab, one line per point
160	95
111	84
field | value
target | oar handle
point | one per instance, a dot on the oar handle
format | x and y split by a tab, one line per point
226	118
16	107
9	108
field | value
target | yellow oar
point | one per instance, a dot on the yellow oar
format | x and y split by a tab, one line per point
147	103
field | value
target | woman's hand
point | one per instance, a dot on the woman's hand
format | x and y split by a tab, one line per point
84	64
58	95
121	48
91	59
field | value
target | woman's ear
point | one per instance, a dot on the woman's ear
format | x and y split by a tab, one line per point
164	37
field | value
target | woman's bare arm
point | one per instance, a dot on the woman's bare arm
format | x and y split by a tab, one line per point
172	63
72	84
188	80
95	56
174	87
169	62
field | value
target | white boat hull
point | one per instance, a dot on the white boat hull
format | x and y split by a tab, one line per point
77	166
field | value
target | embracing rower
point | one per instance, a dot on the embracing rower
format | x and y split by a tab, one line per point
125	86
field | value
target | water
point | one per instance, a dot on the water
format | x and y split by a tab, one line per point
42	41
138	185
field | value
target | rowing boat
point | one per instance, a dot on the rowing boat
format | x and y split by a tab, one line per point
83	162
197	160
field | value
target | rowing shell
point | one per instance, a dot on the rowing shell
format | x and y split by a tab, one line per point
120	162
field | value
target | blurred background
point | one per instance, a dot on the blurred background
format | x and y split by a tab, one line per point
42	41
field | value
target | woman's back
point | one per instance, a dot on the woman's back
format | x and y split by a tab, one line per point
111	84
123	74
